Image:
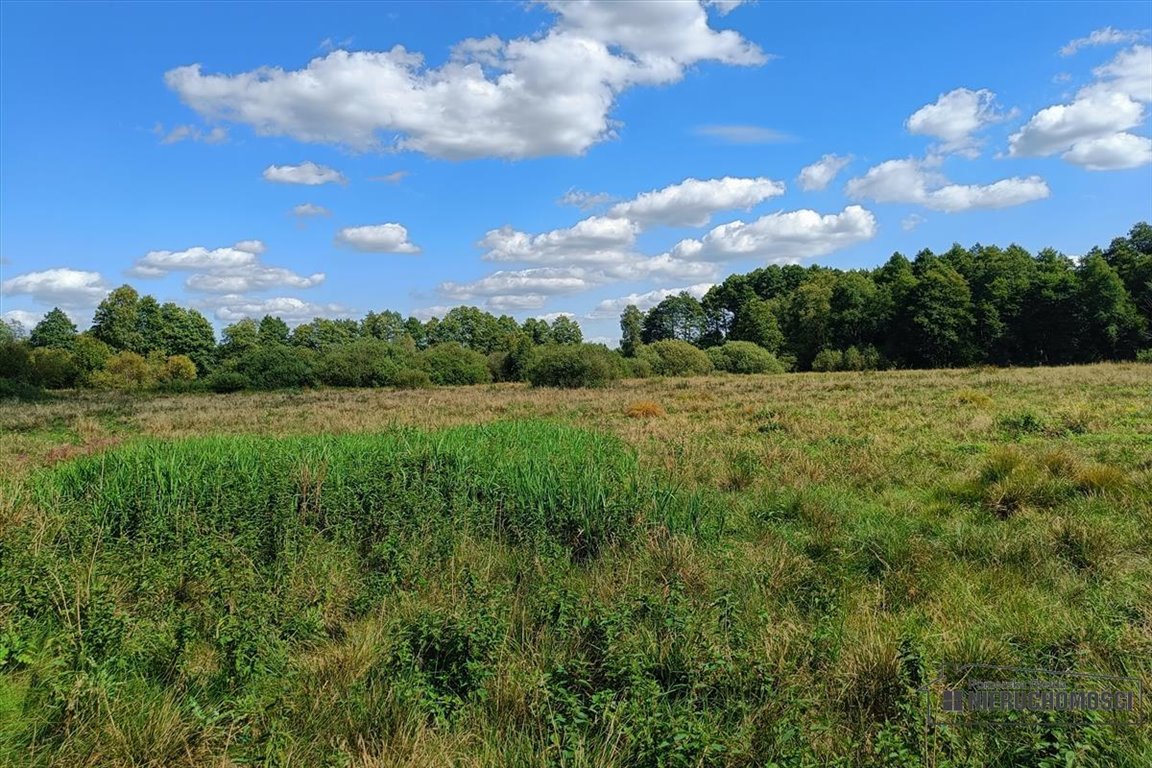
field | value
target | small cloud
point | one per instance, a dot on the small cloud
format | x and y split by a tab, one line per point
1061	77
392	178
306	210
910	222
307	173
744	134
377	238
585	200
217	135
821	173
1105	36
329	44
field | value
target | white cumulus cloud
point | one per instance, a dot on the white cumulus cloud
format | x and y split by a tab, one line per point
308	173
305	210
1094	130
292	310
377	238
692	202
781	237
955	117
230	270
64	287
1105	36
915	181
821	173
532	96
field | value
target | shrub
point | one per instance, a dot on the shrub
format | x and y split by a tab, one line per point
178	368
828	360
449	363
227	381
54	368
1144	355
15	362
644	409
275	367
410	378
675	358
366	363
18	390
744	357
125	370
571	366
90	353
638	368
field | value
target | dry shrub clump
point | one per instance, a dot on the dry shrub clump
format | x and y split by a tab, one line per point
645	409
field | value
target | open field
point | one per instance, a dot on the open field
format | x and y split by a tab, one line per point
726	570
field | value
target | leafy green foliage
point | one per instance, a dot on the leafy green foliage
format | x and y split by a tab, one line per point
450	363
56	330
744	357
675	358
572	366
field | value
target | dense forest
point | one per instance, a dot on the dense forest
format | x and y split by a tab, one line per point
978	305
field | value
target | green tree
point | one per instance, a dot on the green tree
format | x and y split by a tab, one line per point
565	330
117	320
537	330
678	317
755	322
941	314
239	338
56	330
631	330
1112	326
187	333
272	330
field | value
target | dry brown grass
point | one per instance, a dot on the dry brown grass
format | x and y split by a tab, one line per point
645	409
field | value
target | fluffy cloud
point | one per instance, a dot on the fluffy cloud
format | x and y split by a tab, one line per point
377	238
528	97
692	202
821	173
308	173
781	237
644	301
1094	130
743	134
1105	36
22	318
599	239
305	210
1111	153
955	117
160	263
291	310
1060	127
914	181
63	287
231	270
538	282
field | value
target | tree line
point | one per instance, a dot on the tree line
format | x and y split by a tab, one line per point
978	305
984	304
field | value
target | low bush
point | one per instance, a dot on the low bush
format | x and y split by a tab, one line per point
276	366
571	366
450	363
675	358
645	409
744	357
227	381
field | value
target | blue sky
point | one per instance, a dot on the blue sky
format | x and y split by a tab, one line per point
543	158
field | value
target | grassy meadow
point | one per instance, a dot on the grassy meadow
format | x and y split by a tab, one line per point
714	571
